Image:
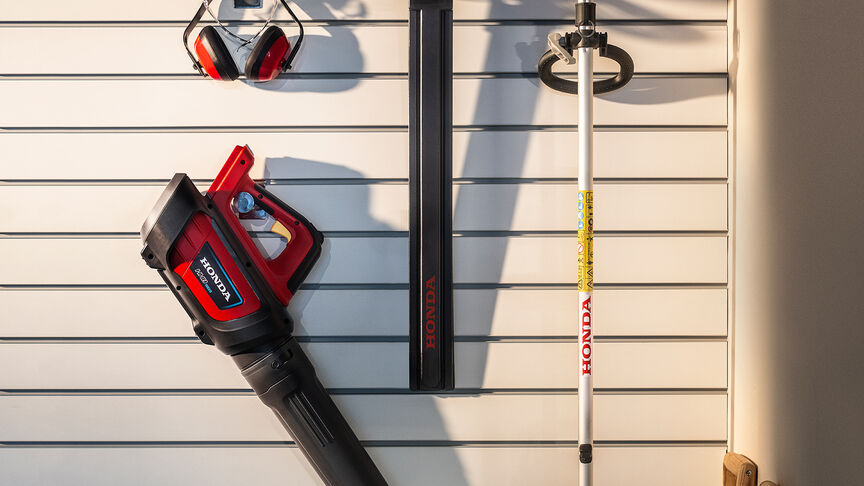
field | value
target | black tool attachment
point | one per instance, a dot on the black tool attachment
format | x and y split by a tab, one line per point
563	46
430	180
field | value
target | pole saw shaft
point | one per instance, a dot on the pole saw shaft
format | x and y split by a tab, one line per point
585	208
561	48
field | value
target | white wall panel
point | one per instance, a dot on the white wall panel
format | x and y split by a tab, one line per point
620	260
373	312
384	207
148	49
644	101
658	48
489	417
354	155
457	466
609	9
366	365
174	10
620	207
512	260
188	102
618	365
313	102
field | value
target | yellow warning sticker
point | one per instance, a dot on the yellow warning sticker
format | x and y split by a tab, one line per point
585	227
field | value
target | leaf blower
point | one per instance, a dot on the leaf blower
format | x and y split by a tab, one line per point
236	298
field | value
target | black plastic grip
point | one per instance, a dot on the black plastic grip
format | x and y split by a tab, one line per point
625	72
286	382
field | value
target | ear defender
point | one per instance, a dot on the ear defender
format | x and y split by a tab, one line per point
269	55
214	56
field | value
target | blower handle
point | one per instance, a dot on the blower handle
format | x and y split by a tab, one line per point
625	72
285	381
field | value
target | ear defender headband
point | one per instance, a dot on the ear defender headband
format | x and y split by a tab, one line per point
271	55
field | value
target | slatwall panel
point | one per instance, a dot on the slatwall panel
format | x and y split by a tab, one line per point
104	382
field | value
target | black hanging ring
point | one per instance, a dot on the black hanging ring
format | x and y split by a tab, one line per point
625	72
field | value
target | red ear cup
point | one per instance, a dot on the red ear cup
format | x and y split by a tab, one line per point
214	56
266	60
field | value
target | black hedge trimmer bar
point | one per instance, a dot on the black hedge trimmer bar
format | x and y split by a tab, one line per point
430	234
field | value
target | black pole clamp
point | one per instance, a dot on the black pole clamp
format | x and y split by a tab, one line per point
586	35
586	453
586	19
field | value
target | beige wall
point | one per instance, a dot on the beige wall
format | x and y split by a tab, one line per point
798	314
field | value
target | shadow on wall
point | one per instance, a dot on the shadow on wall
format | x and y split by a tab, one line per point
653	91
647	91
318	53
799	227
636	10
640	10
358	206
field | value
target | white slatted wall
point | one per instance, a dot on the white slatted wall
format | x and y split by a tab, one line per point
102	381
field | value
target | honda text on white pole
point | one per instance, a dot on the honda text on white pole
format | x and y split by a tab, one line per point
585	40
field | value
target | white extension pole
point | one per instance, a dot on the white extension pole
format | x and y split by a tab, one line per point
585	40
586	255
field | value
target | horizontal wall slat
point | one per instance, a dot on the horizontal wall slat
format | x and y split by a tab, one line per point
627	260
502	417
456	466
616	365
96	50
355	155
182	10
341	102
373	312
122	208
690	48
514	260
364	365
384	207
685	101
612	9
630	207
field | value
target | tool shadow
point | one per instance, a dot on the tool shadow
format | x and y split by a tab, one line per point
364	304
327	50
